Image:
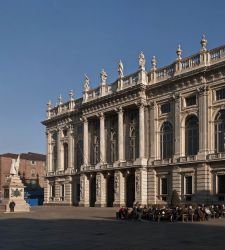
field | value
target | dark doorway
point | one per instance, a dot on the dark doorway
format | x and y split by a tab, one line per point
130	189
110	191
92	191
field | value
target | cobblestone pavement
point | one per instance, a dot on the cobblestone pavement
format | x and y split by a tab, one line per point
96	228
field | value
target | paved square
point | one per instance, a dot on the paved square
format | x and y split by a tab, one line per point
96	228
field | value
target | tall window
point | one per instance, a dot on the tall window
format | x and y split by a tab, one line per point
132	140
52	190
166	140
65	147
191	136
62	192
113	144
220	131
96	149
221	184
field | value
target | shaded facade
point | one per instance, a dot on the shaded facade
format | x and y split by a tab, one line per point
141	137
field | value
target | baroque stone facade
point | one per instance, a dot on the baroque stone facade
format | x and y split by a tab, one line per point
139	138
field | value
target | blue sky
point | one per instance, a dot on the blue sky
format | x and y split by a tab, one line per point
46	47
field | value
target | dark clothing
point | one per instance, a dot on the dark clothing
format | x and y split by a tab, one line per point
12	205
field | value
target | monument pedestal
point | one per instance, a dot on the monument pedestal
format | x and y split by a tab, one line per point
14	192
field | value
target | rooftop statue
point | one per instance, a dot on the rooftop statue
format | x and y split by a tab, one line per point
120	69
15	166
103	76
142	60
86	83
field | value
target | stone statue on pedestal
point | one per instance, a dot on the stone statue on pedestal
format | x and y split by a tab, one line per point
14	190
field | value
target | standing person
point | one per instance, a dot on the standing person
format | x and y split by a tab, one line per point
12	205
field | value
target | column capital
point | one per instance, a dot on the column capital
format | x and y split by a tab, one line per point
176	97
119	110
84	119
140	104
152	104
203	90
101	115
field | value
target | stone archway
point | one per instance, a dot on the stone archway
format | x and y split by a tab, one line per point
110	191
130	189
92	196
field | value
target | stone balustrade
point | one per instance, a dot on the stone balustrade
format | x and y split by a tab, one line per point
182	65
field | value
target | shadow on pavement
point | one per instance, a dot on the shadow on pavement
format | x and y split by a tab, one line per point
108	234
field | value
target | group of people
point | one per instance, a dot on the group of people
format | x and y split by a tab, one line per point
165	213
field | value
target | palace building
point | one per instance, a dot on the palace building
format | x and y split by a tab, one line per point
142	136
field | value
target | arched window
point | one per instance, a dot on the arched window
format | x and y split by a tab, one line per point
191	135
220	131
65	147
166	140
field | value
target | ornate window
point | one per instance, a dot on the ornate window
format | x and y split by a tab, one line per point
220	94
191	100
220	131
166	140
65	147
165	108
191	136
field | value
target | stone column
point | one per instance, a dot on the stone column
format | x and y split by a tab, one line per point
71	149
59	150
102	138
100	190
85	142
120	135
49	151
141	131
141	186
153	131
84	191
141	160
119	189
177	126
152	192
203	122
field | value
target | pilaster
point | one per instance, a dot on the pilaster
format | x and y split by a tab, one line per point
176	180
177	125
102	138
100	190
85	142
141	186
151	186
84	191
203	122
119	187
203	187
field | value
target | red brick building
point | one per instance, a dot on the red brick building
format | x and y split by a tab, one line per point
31	168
